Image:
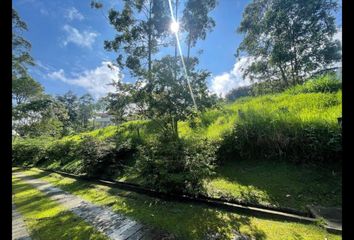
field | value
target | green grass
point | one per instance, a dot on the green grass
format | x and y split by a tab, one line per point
186	221
277	184
48	220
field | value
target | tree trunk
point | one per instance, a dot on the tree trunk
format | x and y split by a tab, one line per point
285	80
149	42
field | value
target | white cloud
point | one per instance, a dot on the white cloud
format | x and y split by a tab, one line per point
338	35
222	84
82	39
72	14
95	81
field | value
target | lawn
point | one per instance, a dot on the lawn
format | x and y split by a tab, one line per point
277	184
46	219
186	221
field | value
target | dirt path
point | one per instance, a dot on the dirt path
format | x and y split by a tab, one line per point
19	229
113	225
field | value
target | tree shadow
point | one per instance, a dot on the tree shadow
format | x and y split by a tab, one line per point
185	220
280	184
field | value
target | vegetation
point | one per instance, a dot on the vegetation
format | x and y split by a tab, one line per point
287	41
186	221
47	219
177	165
295	126
278	184
172	134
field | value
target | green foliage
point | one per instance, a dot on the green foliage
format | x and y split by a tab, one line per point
288	40
62	152
29	152
176	165
282	136
20	48
43	116
140	25
25	89
196	22
96	155
325	83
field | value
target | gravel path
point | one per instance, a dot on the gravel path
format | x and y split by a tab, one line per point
19	229
113	225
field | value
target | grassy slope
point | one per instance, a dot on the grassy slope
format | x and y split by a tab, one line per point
187	221
48	220
263	182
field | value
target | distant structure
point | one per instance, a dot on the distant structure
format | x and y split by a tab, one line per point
102	120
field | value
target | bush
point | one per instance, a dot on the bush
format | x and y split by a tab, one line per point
62	151
324	83
28	152
96	155
176	165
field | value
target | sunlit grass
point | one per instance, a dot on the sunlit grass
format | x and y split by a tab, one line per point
48	220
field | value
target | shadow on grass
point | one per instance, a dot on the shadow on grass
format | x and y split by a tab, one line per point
278	183
47	220
184	220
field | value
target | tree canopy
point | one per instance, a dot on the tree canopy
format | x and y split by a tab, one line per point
288	40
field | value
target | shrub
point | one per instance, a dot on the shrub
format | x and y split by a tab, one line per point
96	155
176	165
29	152
62	151
324	83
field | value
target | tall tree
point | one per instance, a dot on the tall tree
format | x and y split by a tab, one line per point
196	21
25	88
288	40
86	107
20	47
71	103
38	117
140	25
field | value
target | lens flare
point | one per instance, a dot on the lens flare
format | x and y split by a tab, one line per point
174	27
174	22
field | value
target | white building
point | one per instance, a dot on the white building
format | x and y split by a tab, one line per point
102	120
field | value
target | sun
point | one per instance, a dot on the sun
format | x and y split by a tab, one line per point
174	27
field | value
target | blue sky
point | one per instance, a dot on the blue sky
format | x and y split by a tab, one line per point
67	43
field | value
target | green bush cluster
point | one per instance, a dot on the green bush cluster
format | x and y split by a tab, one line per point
90	155
176	165
29	152
97	155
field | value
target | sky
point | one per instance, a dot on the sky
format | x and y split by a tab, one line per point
67	44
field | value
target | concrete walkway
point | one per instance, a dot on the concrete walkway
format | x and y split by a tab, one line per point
113	225
19	229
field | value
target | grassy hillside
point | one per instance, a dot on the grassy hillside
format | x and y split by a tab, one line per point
295	126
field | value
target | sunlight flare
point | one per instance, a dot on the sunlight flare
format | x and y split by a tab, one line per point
174	27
